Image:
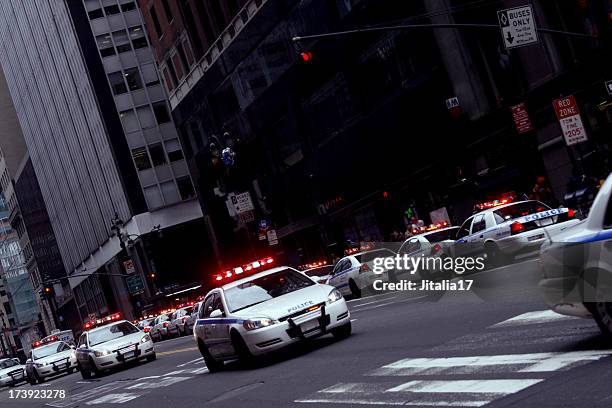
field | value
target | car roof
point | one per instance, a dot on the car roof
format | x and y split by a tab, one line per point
318	267
98	328
488	210
367	252
255	276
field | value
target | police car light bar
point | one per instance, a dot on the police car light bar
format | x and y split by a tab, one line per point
46	340
312	265
429	228
235	273
102	321
492	204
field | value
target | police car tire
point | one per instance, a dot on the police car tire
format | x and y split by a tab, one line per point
93	368
495	257
31	380
602	312
355	291
39	378
86	374
241	348
212	364
343	331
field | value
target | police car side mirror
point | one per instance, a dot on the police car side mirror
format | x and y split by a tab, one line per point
216	313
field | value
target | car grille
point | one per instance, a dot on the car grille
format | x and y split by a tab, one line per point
300	312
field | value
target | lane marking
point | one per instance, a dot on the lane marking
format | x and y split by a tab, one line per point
192	361
370	297
82	396
118	398
537	317
503	387
166	353
164	382
375	301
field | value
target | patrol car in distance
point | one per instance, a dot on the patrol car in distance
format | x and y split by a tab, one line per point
49	357
178	321
577	265
355	273
111	342
431	241
11	372
503	229
264	312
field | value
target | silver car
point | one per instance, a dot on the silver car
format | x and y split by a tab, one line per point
50	359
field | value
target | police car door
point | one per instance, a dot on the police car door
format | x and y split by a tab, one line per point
334	280
462	244
222	328
476	239
342	282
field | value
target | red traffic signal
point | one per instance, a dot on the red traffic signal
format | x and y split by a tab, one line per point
306	56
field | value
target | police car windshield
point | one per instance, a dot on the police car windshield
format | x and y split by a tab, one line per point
265	288
45	351
519	210
109	333
443	235
322	271
7	363
370	255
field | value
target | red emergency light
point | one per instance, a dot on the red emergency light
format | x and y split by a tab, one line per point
429	228
492	204
236	272
102	321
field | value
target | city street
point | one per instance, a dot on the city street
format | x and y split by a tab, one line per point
497	345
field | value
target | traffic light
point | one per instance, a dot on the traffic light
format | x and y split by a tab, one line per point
47	291
306	57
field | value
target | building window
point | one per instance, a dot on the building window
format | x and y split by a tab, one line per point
185	188
149	75
132	77
167	10
157	154
155	19
161	112
117	83
181	52
110	10
168	79
105	45
129	121
141	158
138	37
128	6
145	115
97	13
122	42
171	70
173	147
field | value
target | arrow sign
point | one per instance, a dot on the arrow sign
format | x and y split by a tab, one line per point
518	26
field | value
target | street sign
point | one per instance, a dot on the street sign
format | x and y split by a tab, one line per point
134	284
246	217
570	120
272	237
609	87
518	26
521	118
129	266
242	202
263	224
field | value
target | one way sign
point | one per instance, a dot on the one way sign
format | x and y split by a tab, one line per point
518	26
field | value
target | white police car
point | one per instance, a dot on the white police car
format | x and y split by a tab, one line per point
432	241
355	273
48	358
111	342
12	372
264	312
577	265
505	229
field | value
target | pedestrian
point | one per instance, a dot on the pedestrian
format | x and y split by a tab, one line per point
543	193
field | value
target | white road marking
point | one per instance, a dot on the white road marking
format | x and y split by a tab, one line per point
535	362
503	387
189	362
369	297
416	403
164	382
119	398
353	320
82	396
537	317
375	301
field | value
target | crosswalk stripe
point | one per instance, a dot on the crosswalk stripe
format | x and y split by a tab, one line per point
536	317
118	398
503	387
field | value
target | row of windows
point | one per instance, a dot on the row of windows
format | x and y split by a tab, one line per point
155	156
166	193
121	41
155	18
132	79
144	117
111	9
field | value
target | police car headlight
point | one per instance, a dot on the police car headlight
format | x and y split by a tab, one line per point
334	296
257	323
38	365
145	338
102	353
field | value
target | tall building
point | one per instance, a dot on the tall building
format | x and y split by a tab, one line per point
374	126
103	147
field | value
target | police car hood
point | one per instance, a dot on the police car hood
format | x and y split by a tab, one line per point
120	342
5	371
54	357
289	303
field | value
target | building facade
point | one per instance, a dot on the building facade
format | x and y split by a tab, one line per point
101	141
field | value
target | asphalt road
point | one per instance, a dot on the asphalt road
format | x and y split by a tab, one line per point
496	345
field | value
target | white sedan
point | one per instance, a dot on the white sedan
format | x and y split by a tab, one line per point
112	345
264	312
355	273
11	372
577	265
50	359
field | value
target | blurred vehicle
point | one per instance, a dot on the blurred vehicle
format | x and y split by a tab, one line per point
354	273
111	342
49	358
178	319
63	335
146	324
432	241
577	265
319	274
12	372
192	317
159	328
269	310
504	229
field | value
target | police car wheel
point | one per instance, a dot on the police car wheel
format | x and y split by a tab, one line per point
39	378
212	364
93	368
342	332
241	348
86	374
31	380
355	291
495	257
602	312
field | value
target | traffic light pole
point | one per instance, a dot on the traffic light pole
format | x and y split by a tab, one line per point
430	26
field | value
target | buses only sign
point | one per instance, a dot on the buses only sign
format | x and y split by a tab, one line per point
518	26
570	120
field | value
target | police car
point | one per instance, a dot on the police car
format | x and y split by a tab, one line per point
178	321
11	372
159	328
430	241
318	271
49	357
503	229
266	311
111	342
577	265
355	273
